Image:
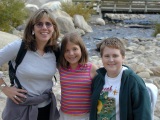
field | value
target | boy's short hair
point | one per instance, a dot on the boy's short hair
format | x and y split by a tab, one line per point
112	43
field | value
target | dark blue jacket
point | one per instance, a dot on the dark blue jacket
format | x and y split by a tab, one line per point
134	100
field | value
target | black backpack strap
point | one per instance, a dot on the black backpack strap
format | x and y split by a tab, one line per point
57	54
21	53
12	71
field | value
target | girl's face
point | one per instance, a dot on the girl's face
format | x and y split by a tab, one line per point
112	61
72	54
43	30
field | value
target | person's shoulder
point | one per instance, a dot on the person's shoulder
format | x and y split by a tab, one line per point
93	70
92	64
13	46
11	49
16	42
133	77
127	70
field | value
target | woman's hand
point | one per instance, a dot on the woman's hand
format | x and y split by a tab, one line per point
15	94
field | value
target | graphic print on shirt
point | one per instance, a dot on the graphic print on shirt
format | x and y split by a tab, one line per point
106	109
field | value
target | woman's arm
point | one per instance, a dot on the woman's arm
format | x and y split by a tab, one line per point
12	92
7	53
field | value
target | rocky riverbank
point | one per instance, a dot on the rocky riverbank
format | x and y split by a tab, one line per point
142	55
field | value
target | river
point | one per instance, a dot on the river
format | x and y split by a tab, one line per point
128	29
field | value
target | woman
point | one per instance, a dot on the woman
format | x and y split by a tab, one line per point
35	71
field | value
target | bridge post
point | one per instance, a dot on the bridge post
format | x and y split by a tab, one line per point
130	5
115	5
145	6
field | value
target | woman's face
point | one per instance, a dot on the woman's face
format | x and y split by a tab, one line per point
43	30
112	60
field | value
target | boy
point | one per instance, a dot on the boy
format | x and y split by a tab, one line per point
117	92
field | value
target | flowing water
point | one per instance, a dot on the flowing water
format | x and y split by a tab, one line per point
128	29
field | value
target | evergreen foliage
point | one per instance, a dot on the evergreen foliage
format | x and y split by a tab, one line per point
12	14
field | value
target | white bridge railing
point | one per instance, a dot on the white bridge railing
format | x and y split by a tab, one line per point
130	6
125	6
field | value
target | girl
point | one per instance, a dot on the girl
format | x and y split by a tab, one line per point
76	75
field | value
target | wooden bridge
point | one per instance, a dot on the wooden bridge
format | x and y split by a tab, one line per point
126	6
130	6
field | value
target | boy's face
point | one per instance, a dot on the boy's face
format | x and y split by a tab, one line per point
112	61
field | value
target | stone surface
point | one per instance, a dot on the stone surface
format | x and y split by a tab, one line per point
142	55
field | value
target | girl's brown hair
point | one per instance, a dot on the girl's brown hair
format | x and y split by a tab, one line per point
29	39
77	40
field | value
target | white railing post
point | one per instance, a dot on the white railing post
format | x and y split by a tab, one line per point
130	5
145	6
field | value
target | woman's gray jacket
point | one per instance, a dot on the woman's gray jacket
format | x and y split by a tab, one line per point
28	110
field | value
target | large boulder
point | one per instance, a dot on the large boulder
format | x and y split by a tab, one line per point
80	22
7	38
156	70
65	25
31	8
54	5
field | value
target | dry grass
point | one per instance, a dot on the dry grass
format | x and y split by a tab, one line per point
157	29
78	8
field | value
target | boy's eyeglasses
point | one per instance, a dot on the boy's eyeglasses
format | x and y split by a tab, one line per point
47	24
